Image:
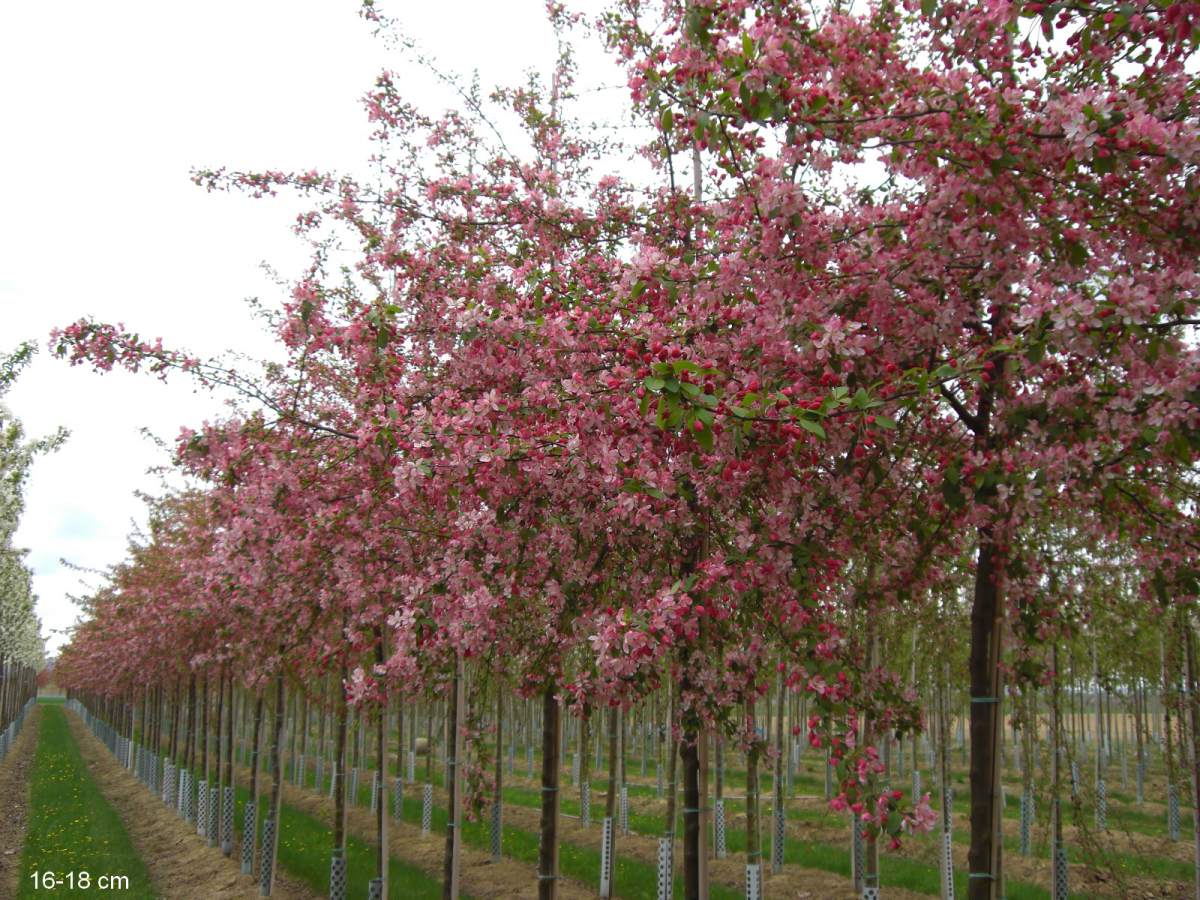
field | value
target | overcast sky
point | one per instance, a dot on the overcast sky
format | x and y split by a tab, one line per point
104	110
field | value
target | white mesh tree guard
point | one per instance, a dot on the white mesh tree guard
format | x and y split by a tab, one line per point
1173	812
426	808
266	868
946	864
1059	880
606	857
777	842
719	828
227	806
213	812
337	876
202	808
248	840
497	831
753	882
1026	820
666	848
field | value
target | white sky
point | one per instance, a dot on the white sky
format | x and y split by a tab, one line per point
104	109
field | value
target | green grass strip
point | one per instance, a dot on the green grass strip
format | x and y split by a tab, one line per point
72	829
305	848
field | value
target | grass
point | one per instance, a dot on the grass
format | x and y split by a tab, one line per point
637	879
72	829
583	864
305	848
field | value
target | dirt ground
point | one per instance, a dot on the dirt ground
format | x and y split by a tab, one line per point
181	864
15	778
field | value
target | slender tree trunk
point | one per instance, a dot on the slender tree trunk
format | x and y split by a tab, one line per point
429	743
173	743
986	619
672	764
753	837
1194	712
449	862
190	728
610	796
255	740
228	730
339	764
206	723
1055	754
548	842
498	788
689	750
777	786
381	817
400	738
270	852
585	757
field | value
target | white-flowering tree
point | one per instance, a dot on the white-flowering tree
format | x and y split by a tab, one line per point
20	629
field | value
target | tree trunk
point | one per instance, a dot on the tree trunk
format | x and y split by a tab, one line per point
777	785
381	817
226	838
339	765
986	616
610	796
672	764
498	788
548	842
689	750
753	839
1194	712
190	729
453	763
205	723
269	852
255	739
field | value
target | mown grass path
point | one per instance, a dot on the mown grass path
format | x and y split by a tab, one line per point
72	831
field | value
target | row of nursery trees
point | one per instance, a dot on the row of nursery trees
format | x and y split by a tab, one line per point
1121	708
21	641
903	307
22	650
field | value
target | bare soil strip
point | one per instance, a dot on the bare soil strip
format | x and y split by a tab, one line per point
180	862
15	778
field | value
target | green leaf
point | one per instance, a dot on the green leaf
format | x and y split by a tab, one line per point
885	422
928	8
668	119
812	427
1077	254
654	384
705	439
741	412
